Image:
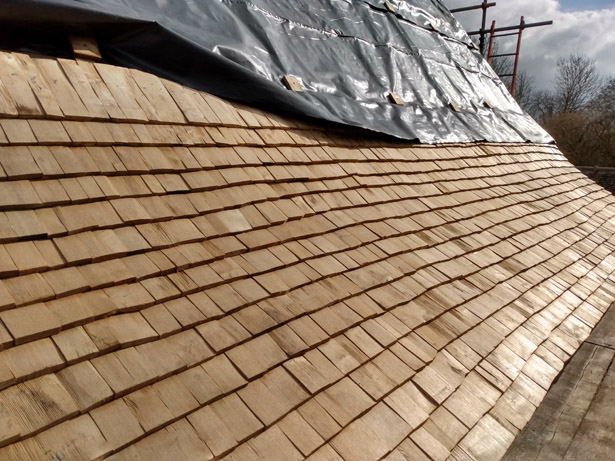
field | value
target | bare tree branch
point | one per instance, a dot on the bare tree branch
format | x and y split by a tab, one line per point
524	90
577	82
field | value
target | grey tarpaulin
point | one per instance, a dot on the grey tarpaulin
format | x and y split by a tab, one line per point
348	54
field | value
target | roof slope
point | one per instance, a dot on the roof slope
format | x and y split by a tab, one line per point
576	418
352	59
182	277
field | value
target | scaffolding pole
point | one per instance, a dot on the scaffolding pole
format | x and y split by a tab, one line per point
514	76
507	28
518	31
496	32
481	6
491	34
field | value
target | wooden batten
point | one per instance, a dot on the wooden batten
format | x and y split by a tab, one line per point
292	83
85	48
395	99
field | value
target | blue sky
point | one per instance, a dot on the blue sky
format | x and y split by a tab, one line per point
575	5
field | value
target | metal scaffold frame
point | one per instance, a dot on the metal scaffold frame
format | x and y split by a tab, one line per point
482	6
498	32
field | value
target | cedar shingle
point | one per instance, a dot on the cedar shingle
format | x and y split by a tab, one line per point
33	359
30	322
237	417
354	282
75	344
85	385
122	330
117	423
25	410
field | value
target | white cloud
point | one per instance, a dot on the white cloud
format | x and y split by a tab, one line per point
590	33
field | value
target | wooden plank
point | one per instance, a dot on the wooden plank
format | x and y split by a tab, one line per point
222	110
7	107
18	131
66	96
49	132
85	385
3	139
85	47
303	436
487	440
187	100
29	288
149	409
117	83
81	83
117	423
75	344
32	359
237	417
101	90
9	429
120	330
176	441
142	100
395	99
39	86
23	403
30	322
273	440
16	96
292	83
158	96
212	430
18	162
78	438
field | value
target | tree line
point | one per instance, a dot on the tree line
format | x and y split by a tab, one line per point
579	112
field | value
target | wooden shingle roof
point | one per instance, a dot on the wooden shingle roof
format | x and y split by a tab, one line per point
182	277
